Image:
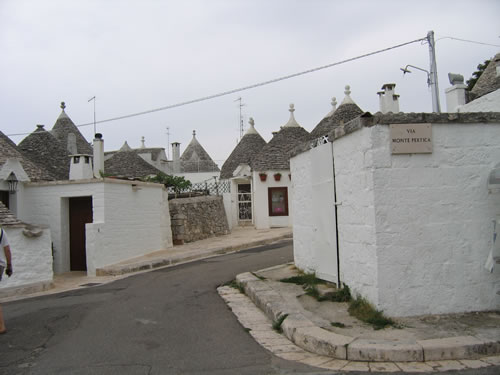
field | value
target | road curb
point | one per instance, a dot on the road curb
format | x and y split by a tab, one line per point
305	334
191	255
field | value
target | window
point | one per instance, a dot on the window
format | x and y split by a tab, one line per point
87	159
76	159
278	201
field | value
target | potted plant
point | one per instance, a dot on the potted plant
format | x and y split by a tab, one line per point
277	176
263	176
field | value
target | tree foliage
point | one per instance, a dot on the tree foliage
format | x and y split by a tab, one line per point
178	183
475	76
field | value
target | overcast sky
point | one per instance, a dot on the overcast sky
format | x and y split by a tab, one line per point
140	55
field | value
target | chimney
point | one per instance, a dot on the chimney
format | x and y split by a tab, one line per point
98	155
389	101
176	155
455	95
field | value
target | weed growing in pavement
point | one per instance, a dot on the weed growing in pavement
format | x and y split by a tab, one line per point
363	310
236	285
338	324
305	279
277	323
258	276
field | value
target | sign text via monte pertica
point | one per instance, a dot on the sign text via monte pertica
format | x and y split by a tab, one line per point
411	138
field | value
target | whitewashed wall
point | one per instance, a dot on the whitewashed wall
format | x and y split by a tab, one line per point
314	231
262	219
486	103
127	222
414	230
31	259
434	221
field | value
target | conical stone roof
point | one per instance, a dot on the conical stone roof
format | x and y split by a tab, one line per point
347	111
43	149
488	82
244	152
196	159
8	149
129	165
61	130
275	154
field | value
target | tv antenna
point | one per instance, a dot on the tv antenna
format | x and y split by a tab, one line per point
242	129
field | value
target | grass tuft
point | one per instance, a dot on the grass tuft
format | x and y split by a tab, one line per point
338	324
277	323
364	311
306	279
236	285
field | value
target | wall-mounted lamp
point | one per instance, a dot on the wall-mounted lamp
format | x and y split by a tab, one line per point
12	181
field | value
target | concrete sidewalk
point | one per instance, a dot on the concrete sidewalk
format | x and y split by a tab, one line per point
323	334
239	239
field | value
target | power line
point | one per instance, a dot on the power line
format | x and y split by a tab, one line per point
255	85
469	41
264	83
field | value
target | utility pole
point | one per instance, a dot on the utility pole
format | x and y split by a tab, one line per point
433	77
93	98
242	129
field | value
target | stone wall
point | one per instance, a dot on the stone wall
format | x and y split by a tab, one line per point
197	218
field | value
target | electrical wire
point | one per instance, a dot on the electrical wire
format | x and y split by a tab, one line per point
264	83
469	41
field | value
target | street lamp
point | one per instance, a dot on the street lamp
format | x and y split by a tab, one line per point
12	181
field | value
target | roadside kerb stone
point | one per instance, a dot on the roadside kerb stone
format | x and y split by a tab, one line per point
293	322
320	341
461	347
384	350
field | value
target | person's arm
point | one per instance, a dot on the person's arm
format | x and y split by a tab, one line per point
8	258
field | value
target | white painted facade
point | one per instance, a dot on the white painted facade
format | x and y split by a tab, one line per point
130	219
486	103
262	219
415	230
31	258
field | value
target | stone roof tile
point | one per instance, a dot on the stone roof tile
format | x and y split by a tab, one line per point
196	159
128	164
43	149
244	152
61	130
488	82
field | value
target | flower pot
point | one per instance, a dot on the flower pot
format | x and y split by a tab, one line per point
277	177
263	177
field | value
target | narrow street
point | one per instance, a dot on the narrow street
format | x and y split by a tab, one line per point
169	321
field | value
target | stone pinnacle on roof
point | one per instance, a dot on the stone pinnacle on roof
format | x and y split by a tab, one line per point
125	147
143	142
334	107
347	98
251	129
291	122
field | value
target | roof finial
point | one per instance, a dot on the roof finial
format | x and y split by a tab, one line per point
347	98
291	122
251	122
334	103
63	106
194	133
143	145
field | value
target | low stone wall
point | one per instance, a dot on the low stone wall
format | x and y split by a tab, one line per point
197	218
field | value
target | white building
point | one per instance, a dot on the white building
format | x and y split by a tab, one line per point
410	229
484	96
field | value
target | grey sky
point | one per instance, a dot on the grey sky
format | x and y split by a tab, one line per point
139	55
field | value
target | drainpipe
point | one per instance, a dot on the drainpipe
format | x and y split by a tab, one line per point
336	219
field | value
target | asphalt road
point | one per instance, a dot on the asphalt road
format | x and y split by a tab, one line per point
169	321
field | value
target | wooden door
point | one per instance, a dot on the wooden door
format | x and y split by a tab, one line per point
80	213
